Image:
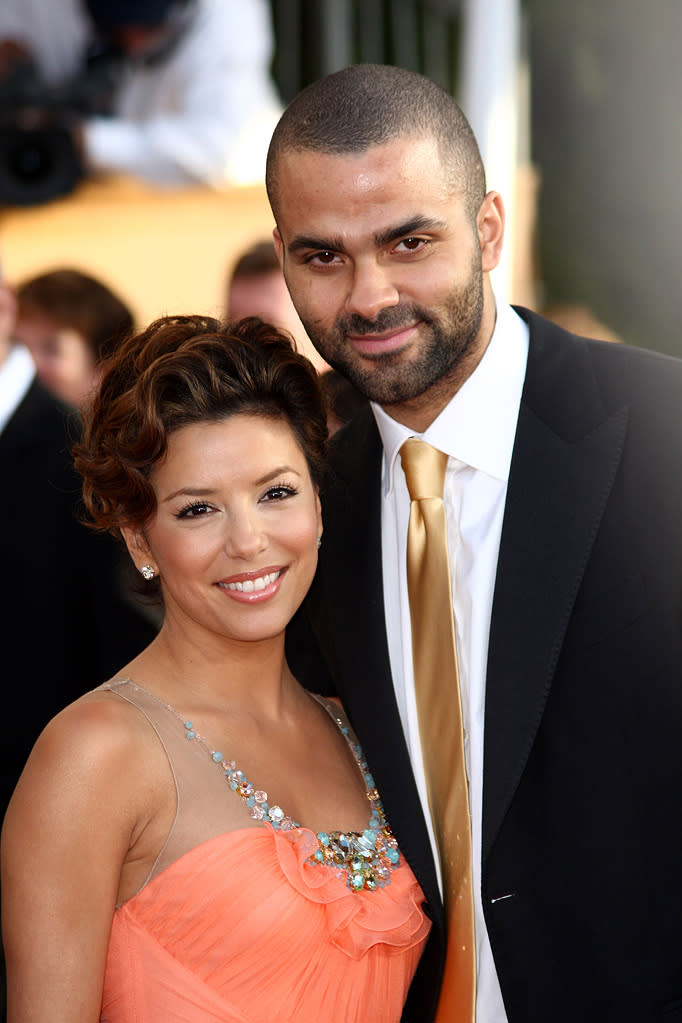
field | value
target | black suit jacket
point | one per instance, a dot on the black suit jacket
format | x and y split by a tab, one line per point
582	831
67	622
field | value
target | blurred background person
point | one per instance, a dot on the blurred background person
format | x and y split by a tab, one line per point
255	286
171	91
66	319
69	614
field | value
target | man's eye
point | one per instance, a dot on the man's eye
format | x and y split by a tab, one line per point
412	244
325	258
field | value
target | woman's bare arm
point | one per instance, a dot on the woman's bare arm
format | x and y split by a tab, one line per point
74	816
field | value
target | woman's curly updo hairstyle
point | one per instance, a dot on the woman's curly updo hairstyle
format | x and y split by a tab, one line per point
183	370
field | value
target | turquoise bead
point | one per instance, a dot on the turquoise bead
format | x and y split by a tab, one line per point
353	855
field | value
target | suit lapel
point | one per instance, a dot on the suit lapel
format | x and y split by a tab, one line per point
566	453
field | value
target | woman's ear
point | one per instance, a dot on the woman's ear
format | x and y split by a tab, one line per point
490	222
318	505
138	549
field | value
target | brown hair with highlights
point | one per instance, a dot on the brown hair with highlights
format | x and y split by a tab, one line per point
179	371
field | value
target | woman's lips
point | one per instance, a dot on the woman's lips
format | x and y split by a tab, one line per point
252	587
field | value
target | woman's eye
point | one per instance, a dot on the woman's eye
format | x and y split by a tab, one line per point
278	493
193	511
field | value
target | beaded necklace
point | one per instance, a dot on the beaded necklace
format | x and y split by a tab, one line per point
365	858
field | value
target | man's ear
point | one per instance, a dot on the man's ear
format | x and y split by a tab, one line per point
279	246
8	312
490	222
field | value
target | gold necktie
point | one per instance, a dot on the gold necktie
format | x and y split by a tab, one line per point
440	718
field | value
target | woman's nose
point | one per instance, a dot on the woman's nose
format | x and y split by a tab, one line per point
244	536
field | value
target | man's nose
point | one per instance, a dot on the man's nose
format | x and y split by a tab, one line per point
372	290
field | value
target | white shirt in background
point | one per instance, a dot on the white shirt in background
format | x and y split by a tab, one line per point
205	114
16	376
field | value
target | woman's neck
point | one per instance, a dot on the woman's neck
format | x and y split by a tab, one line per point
229	675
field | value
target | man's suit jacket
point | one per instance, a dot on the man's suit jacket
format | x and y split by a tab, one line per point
582	829
67	622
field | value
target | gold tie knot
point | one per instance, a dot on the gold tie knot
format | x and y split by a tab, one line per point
424	467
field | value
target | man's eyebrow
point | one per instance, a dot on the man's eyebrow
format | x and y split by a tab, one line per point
310	243
412	226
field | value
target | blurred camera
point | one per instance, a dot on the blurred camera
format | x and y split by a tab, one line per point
40	156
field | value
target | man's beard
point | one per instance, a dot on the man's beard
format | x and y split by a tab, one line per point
393	379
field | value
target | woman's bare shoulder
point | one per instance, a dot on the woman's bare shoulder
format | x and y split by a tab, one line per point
97	749
98	727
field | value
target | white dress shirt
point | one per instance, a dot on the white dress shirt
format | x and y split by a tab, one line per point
476	430
16	376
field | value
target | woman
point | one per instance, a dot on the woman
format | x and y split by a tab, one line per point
194	840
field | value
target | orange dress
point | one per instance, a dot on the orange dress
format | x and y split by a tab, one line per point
245	927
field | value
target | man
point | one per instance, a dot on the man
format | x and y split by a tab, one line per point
255	286
68	620
68	319
175	92
563	494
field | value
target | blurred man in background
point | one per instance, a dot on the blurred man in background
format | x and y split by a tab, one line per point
255	286
68	614
68	319
172	91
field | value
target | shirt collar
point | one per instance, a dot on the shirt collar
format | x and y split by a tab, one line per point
16	376
478	425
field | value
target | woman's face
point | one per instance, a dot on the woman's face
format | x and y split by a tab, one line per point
64	360
234	536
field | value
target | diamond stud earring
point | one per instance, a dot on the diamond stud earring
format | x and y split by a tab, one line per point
148	572
318	542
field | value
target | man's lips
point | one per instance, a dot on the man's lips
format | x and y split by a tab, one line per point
387	341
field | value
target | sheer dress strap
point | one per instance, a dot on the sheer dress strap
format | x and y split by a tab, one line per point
205	807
